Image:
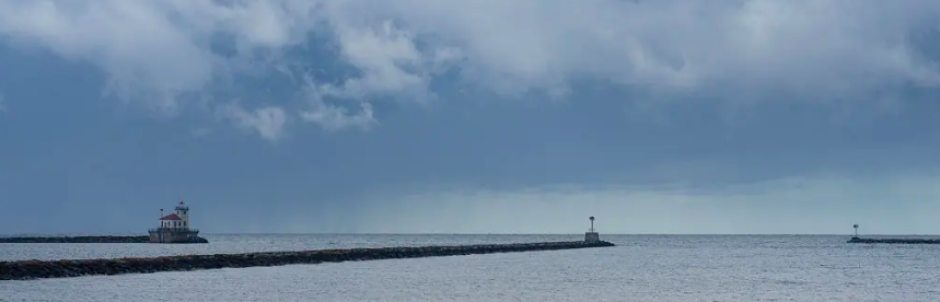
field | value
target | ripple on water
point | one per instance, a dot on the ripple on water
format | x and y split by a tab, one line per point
642	268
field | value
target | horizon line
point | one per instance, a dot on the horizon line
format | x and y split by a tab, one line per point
468	234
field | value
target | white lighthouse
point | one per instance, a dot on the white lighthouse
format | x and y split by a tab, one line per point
175	227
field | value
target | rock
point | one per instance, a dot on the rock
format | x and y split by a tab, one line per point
894	241
33	269
87	239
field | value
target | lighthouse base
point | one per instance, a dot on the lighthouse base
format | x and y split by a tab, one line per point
592	237
168	235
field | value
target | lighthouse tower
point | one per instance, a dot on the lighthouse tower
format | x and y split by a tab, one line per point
182	210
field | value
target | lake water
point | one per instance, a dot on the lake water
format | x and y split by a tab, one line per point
640	268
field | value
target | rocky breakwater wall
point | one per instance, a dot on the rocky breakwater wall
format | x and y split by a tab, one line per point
87	239
894	240
35	269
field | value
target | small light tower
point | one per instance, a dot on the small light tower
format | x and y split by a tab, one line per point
591	236
855	226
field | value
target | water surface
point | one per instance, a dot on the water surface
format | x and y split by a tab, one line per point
641	268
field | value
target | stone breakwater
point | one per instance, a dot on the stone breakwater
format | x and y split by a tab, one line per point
895	241
87	239
36	269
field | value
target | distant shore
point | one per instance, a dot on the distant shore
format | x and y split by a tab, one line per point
85	239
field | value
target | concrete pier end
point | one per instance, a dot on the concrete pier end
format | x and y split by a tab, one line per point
592	237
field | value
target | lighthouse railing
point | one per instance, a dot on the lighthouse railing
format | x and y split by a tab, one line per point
172	230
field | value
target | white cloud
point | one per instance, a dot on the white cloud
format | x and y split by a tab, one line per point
381	54
334	118
826	205
823	48
145	54
803	50
267	121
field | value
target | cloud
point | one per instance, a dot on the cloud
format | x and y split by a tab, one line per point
811	50
145	54
744	51
806	205
381	54
267	121
335	118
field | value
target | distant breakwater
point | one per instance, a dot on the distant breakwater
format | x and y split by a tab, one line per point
894	241
36	269
86	239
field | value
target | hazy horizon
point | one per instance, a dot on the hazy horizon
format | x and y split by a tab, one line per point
297	116
486	234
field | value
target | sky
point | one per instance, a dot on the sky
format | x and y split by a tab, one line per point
471	116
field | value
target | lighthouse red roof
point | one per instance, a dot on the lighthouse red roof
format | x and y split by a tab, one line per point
171	217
